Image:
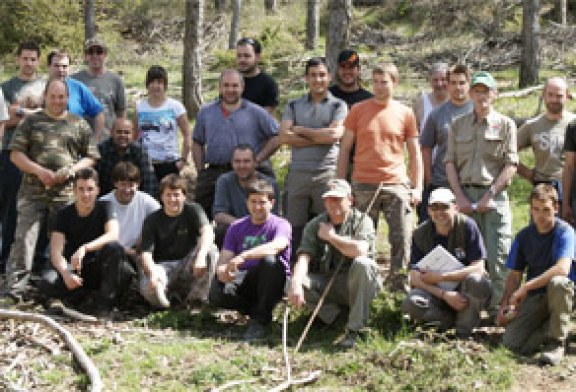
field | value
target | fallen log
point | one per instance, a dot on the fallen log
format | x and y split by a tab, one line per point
77	350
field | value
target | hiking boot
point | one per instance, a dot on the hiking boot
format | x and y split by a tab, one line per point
552	352
255	331
350	339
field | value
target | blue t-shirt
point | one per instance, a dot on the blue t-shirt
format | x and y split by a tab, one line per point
538	252
81	101
243	235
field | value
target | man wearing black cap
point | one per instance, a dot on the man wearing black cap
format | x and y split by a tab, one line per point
347	86
107	86
259	87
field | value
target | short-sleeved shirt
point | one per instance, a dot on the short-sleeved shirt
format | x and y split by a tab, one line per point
79	230
480	149
13	90
546	137
53	144
435	135
536	252
261	90
305	112
172	238
158	127
325	257
380	134
243	235
81	101
230	197
131	216
135	153
570	146
219	132
108	88
350	97
474	249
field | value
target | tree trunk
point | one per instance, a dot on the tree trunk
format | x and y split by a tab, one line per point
562	8
338	33
312	24
530	64
219	5
192	66
235	24
89	19
270	6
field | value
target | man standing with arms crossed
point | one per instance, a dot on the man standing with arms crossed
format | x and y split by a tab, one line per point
380	128
480	160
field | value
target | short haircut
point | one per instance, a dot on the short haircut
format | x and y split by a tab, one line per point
252	42
459	69
543	192
244	147
87	173
173	181
315	62
387	68
28	45
231	71
157	72
437	67
52	80
125	171
60	53
260	187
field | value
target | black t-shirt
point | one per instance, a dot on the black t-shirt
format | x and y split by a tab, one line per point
261	90
350	97
172	238
79	230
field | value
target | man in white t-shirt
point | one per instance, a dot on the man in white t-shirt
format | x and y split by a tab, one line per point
131	205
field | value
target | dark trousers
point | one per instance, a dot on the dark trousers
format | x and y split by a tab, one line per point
10	178
163	169
106	276
258	294
206	186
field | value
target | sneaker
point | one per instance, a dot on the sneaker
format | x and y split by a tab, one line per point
350	339
160	292
552	352
254	332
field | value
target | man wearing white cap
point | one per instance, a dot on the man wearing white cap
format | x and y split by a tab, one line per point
457	304
340	232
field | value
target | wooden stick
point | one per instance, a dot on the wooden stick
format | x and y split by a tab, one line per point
77	350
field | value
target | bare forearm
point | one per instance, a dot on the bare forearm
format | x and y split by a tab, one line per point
268	149
198	156
83	163
147	263
427	163
415	281
453	180
504	178
224	218
524	172
25	164
512	283
271	248
99	123
561	268
463	273
349	247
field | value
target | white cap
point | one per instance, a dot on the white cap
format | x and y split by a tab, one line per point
441	195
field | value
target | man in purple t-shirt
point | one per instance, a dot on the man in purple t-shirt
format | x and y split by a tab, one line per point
254	262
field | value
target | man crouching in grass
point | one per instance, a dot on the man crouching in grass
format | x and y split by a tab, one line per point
536	314
90	268
254	262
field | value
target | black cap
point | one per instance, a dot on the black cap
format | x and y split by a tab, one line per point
349	56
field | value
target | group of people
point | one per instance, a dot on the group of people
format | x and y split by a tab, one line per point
230	247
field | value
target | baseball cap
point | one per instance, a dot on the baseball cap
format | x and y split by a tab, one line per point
484	78
349	56
94	41
442	196
337	188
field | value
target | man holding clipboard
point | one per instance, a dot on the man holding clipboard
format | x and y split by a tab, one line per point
449	283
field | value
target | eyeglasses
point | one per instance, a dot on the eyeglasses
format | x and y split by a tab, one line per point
96	50
439	207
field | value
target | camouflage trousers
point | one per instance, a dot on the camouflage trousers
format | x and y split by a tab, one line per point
182	286
394	201
32	214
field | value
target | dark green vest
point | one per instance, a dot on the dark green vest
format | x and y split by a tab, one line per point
423	237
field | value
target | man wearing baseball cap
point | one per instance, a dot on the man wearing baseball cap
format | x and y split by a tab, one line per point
348	85
480	160
457	304
340	233
107	86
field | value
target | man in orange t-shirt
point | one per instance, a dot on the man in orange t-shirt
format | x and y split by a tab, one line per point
381	127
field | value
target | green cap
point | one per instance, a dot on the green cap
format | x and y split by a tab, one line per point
484	78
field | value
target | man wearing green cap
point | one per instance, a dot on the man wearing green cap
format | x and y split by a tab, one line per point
480	160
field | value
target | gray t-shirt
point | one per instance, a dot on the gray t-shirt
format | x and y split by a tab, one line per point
435	135
230	197
304	112
16	90
109	90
